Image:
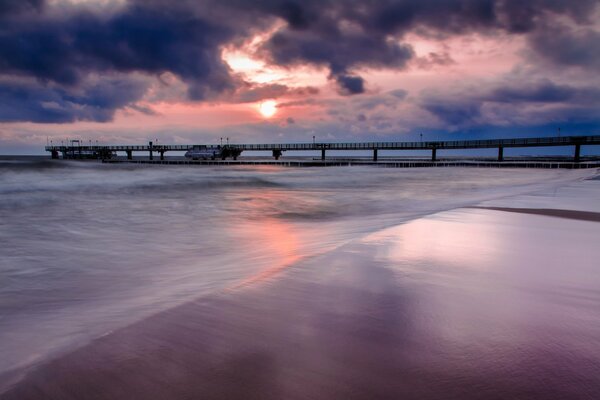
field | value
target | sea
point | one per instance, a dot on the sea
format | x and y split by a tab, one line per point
89	248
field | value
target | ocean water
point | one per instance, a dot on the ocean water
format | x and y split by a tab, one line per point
88	248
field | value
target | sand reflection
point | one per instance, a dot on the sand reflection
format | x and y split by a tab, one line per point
455	238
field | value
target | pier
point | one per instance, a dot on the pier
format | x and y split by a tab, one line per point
75	150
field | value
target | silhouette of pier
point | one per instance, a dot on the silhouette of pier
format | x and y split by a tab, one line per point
76	149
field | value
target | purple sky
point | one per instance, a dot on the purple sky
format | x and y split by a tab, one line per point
281	71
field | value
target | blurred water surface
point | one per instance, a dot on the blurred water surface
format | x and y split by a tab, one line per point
87	248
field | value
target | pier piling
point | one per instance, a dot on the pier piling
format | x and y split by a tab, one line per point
500	153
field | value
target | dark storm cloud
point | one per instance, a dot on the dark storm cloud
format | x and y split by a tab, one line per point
63	50
455	112
185	38
350	84
459	16
544	92
347	35
15	7
467	108
568	46
27	101
337	50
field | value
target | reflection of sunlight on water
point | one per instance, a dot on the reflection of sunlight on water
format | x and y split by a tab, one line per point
459	239
276	243
275	239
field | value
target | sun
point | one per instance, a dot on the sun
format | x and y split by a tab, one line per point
268	108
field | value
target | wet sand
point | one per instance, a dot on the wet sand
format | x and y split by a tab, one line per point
465	304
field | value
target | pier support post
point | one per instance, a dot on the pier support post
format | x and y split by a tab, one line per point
277	154
323	154
162	155
433	154
577	155
129	154
150	150
374	154
54	154
500	153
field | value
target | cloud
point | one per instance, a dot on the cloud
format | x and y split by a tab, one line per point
453	112
60	51
327	44
349	84
434	59
15	7
511	102
28	101
568	46
345	36
544	91
399	93
64	49
252	92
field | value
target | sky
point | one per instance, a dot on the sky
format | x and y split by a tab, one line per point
276	71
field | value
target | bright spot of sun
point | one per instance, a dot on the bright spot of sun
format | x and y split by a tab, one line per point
268	108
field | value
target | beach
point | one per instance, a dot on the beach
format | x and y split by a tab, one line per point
487	287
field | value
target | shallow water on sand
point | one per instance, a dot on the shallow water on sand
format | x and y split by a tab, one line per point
89	248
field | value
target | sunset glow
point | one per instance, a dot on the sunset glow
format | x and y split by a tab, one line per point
268	108
262	72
